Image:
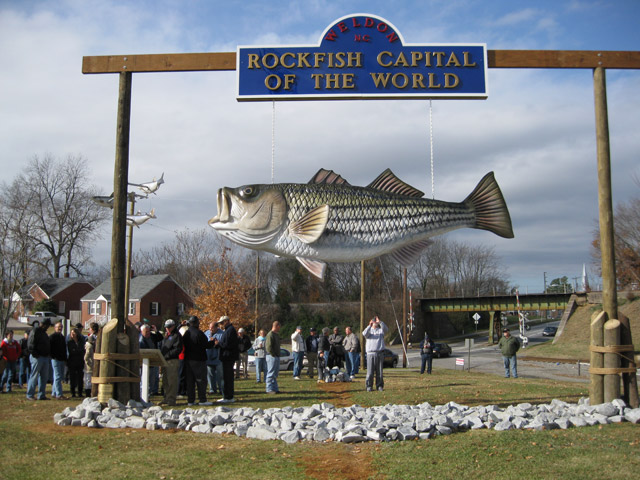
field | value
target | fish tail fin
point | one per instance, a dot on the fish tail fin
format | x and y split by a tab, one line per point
490	208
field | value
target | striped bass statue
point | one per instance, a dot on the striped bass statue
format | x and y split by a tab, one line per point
329	220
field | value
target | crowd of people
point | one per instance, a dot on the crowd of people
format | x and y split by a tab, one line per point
38	359
197	362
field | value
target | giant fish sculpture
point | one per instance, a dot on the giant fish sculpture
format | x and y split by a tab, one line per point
329	220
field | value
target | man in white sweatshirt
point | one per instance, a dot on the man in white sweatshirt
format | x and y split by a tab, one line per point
374	334
297	345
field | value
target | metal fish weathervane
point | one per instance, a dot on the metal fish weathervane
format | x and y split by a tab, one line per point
329	220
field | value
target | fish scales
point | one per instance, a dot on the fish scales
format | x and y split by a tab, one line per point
329	220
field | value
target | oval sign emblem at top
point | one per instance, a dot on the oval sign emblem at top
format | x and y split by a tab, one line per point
362	56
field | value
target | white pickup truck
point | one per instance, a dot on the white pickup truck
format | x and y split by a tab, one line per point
40	316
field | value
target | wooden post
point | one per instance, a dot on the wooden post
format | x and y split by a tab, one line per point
363	357
491	327
107	368
596	388
605	204
120	185
611	360
629	380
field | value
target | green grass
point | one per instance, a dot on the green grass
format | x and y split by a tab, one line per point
33	447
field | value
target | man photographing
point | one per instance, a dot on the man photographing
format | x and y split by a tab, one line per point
374	334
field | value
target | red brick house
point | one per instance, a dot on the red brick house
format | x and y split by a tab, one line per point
151	297
64	292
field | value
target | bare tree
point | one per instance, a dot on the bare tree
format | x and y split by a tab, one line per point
62	220
626	224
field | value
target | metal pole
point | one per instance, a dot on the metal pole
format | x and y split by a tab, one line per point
255	322
120	184
127	289
404	316
605	204
362	301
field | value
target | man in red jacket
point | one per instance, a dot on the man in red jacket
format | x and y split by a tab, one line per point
10	353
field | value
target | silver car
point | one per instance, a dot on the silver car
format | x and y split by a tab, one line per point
286	360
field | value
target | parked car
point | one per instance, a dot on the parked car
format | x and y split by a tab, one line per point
441	350
40	316
549	331
286	360
390	359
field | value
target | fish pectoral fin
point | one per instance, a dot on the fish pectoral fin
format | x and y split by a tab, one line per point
315	267
311	226
409	254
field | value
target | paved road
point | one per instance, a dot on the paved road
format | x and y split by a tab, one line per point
487	359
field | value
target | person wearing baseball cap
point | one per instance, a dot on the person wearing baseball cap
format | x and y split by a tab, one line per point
170	348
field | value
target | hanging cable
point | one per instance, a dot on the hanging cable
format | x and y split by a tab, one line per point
433	185
395	316
273	141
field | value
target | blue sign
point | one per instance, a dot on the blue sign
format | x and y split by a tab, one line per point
362	56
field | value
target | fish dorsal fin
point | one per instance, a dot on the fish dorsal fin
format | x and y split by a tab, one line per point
409	254
328	176
315	267
388	182
311	226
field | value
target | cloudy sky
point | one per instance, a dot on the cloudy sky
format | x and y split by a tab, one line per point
536	130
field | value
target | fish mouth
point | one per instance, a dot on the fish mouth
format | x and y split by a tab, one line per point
224	209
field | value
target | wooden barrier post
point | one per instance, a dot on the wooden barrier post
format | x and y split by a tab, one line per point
107	369
611	360
596	389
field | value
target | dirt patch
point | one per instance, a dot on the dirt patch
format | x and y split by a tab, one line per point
347	462
340	392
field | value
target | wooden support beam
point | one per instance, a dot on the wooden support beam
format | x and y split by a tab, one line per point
190	62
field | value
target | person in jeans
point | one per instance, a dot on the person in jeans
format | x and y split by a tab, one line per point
272	347
351	345
39	354
24	363
11	352
58	360
260	355
426	352
298	346
311	347
374	334
508	346
214	365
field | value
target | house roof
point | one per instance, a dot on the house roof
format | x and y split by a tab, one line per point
139	287
50	286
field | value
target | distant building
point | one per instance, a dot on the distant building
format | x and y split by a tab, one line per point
151	297
64	292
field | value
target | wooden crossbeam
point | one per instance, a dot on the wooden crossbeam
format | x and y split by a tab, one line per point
221	61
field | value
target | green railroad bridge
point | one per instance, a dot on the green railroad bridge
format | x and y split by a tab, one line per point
497	304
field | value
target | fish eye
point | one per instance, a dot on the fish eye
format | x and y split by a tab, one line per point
247	191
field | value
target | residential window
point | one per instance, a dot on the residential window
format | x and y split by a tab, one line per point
180	309
132	308
61	307
155	309
92	308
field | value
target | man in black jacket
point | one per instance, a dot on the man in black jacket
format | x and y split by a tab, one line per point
195	361
229	354
170	348
58	360
40	351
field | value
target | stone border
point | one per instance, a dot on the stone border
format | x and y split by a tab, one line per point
325	422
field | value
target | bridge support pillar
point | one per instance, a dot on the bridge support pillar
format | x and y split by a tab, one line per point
494	326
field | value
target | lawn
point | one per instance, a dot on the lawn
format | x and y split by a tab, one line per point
33	447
